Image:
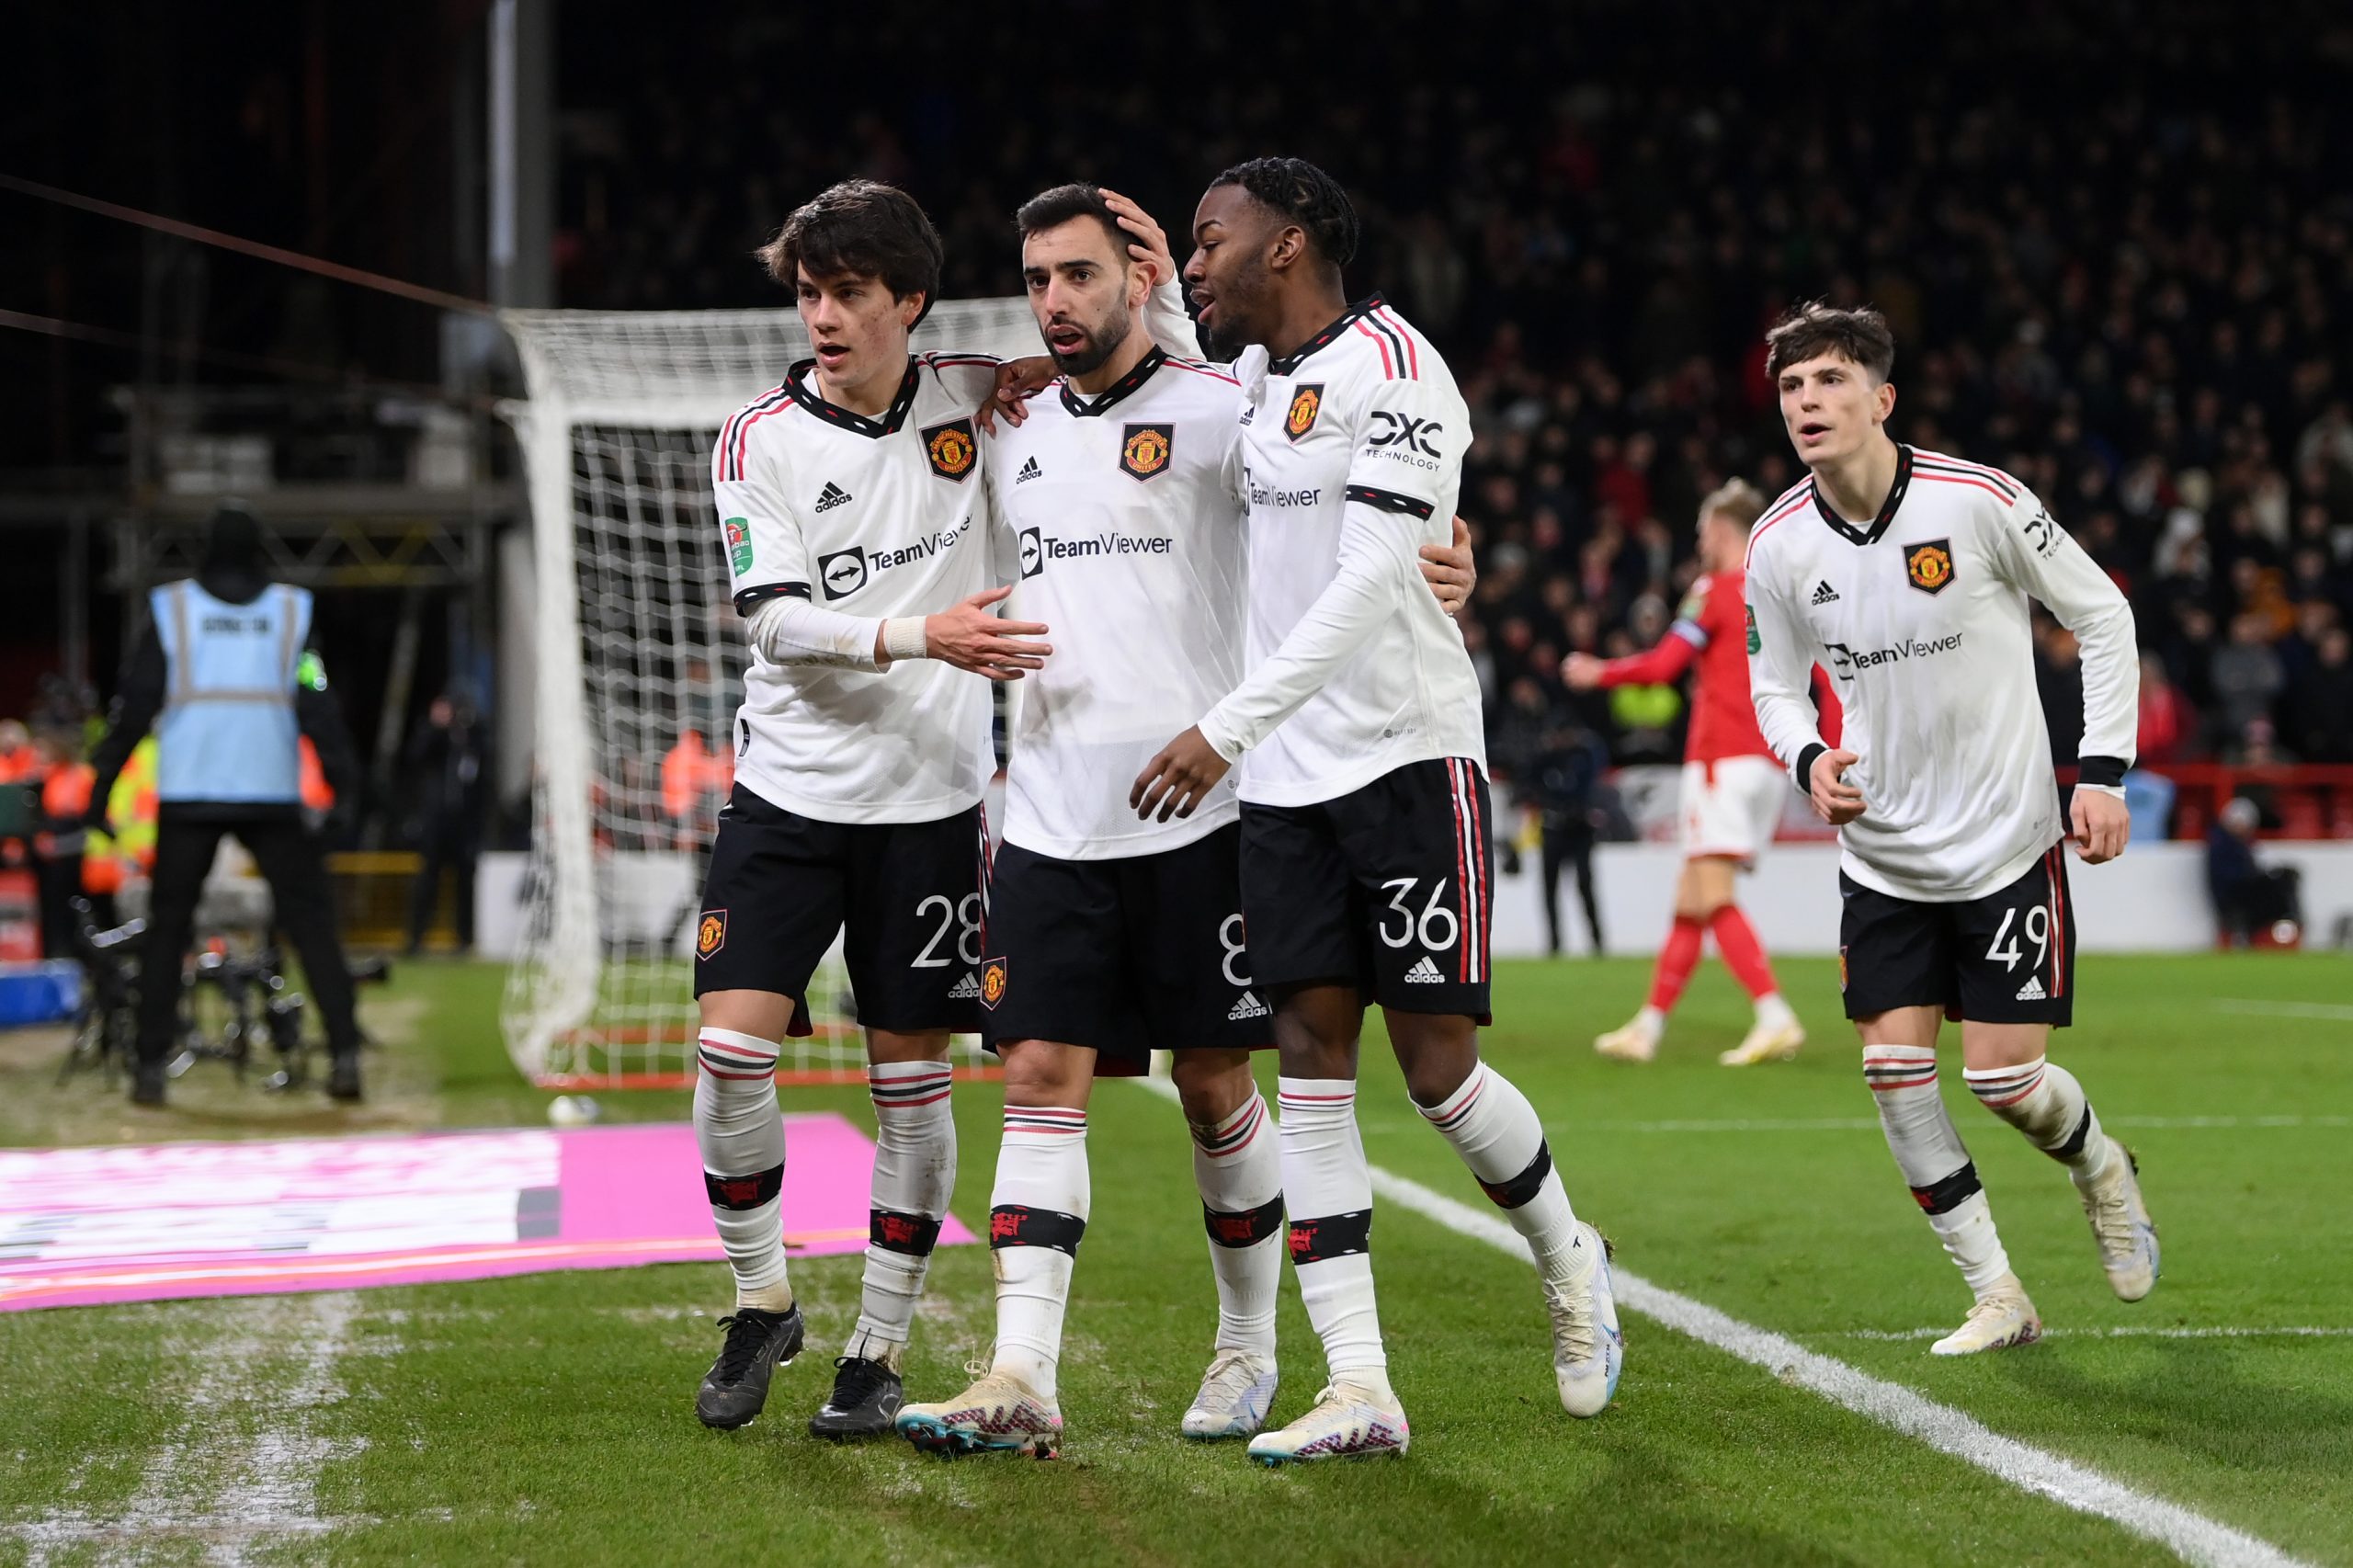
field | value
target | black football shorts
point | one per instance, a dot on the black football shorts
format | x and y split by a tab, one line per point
1386	889
904	896
1126	955
2007	958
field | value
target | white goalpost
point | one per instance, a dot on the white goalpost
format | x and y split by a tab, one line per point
640	668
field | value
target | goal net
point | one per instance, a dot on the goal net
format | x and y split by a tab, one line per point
640	668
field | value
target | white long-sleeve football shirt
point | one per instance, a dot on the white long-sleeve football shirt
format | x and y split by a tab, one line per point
1353	450
1124	512
1920	615
868	518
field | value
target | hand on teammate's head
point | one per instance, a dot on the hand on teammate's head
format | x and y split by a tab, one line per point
1151	250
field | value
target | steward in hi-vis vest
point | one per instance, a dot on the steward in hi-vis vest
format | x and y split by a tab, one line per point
226	676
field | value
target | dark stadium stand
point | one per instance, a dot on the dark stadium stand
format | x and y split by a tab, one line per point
2151	331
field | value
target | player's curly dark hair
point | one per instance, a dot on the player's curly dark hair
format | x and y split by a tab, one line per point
861	228
1817	327
1305	195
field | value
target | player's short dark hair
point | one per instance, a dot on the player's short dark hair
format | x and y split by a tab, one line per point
1306	196
861	228
1052	209
1816	328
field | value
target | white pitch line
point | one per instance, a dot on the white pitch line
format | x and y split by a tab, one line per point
2122	1331
2192	1537
2195	1538
2329	1010
227	1491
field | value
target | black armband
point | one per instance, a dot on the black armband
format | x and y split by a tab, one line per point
750	599
1390	501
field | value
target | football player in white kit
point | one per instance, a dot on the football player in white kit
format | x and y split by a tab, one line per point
1366	854
1107	938
849	507
1906	574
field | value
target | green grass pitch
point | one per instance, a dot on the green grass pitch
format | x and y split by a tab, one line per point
548	1419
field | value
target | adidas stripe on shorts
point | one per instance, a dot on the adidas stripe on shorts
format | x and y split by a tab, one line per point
1386	889
1126	955
2007	958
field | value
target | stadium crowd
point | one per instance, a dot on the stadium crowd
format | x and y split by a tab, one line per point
2137	310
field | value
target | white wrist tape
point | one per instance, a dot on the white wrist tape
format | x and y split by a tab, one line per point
902	638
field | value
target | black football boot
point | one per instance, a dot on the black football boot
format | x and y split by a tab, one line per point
865	1401
757	1342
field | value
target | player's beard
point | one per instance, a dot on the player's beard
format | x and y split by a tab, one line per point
1103	340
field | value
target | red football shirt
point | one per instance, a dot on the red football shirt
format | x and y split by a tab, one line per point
1711	629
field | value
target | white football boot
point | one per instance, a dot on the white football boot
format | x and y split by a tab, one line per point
2120	1224
1236	1393
1773	1041
2002	1318
1638	1041
996	1415
1588	1350
1347	1421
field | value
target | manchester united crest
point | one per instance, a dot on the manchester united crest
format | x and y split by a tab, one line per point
1144	449
951	449
1306	402
1930	565
992	983
712	934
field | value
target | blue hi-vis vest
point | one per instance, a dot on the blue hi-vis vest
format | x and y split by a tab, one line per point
229	730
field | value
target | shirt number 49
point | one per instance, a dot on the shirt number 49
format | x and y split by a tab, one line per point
1423	927
2036	926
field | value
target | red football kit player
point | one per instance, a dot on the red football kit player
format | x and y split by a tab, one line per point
1733	794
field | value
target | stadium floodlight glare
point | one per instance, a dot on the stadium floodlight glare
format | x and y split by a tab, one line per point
637	645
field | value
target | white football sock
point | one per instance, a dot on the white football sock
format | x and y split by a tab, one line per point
1494	1129
914	1173
1240	1174
1036	1217
1328	1187
1650	1020
1935	1163
2046	1104
740	1133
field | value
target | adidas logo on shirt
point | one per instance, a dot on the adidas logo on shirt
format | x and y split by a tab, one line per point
2031	991
1424	972
1823	594
1030	471
968	986
831	496
1248	1007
